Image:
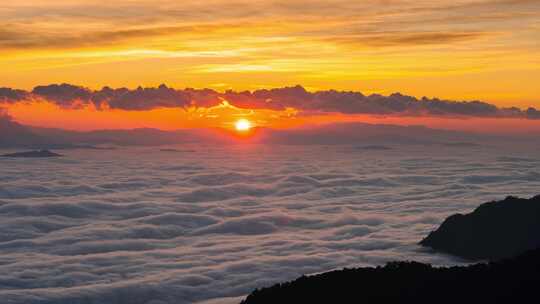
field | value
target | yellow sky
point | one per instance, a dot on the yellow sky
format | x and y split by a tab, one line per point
464	49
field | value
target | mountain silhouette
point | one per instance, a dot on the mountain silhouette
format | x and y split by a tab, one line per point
373	137
505	232
507	281
493	231
13	134
33	154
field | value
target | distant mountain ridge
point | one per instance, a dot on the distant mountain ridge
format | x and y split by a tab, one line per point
32	154
15	135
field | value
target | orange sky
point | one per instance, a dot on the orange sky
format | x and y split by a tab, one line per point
88	118
459	50
225	116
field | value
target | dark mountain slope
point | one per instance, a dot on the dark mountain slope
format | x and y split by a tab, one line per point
32	154
507	281
493	231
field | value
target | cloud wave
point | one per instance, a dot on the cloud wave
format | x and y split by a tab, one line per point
152	230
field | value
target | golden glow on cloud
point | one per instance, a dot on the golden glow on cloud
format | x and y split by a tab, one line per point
228	117
89	118
464	49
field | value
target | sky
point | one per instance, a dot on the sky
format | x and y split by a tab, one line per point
453	50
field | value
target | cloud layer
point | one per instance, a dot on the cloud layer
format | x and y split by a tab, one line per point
217	222
331	101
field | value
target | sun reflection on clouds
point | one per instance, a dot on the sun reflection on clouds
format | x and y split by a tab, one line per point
468	50
229	116
88	117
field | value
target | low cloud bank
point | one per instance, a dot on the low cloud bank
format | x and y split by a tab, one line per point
220	221
330	101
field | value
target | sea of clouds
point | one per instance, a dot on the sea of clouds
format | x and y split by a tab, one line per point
209	224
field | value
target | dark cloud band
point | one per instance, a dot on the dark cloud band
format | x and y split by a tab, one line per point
331	101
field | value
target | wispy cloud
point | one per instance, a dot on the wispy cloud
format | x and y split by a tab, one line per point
43	25
408	38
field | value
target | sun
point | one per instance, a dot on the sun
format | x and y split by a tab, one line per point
242	125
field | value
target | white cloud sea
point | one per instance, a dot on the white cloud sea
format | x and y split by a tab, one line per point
143	226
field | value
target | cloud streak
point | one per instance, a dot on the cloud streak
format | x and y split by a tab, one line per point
279	99
398	23
408	38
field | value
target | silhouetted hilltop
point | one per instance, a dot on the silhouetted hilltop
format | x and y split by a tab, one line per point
508	281
493	231
461	144
13	134
374	147
176	150
33	154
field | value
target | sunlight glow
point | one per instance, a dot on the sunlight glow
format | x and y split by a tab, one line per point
242	125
